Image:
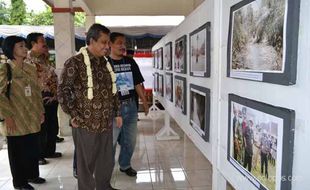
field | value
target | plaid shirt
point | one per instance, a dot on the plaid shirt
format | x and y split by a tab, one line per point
95	115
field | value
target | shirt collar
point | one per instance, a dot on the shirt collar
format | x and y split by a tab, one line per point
93	58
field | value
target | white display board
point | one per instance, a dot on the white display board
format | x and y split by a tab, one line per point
295	97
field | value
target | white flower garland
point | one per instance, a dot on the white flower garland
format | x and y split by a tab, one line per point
90	84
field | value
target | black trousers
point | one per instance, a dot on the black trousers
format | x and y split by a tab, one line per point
49	130
52	127
23	154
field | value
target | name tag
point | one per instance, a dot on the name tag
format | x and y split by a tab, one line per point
28	91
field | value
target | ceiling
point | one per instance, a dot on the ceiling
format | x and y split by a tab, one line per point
134	7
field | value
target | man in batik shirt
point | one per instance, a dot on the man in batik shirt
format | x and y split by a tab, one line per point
48	83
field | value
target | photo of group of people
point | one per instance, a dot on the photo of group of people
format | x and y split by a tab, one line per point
254	143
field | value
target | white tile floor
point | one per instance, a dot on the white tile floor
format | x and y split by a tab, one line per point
161	165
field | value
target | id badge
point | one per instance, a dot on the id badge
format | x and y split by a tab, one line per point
28	91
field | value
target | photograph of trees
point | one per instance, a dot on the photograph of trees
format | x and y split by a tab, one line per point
257	41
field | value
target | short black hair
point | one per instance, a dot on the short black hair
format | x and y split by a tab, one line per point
33	37
115	35
8	45
94	32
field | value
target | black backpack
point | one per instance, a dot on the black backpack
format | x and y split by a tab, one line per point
8	87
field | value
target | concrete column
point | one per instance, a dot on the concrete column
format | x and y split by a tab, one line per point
64	47
90	20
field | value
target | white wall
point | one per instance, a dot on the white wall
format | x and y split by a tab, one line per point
295	97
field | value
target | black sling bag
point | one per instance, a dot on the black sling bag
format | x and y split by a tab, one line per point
8	87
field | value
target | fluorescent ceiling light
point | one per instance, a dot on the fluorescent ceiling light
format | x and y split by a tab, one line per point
139	20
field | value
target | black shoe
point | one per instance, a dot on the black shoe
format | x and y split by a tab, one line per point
130	172
55	155
59	139
38	180
24	187
75	173
42	161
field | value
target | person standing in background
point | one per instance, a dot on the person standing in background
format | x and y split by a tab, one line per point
128	81
48	83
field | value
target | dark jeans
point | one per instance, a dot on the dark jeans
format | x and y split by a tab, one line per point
127	134
23	154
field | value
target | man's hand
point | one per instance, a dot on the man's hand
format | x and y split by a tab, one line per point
10	125
146	108
49	100
73	123
119	121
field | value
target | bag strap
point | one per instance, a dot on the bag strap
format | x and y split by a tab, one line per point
9	77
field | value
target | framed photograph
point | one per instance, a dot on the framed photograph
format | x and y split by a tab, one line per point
200	110
168	56
260	142
154	59
263	41
180	55
161	85
200	51
180	93
169	86
155	83
160	58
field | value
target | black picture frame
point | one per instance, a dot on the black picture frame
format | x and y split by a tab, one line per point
180	64
180	93
154	59
160	58
161	85
256	128
169	86
280	66
200	110
155	82
202	65
168	56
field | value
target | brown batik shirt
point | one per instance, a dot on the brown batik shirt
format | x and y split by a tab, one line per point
94	115
46	73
